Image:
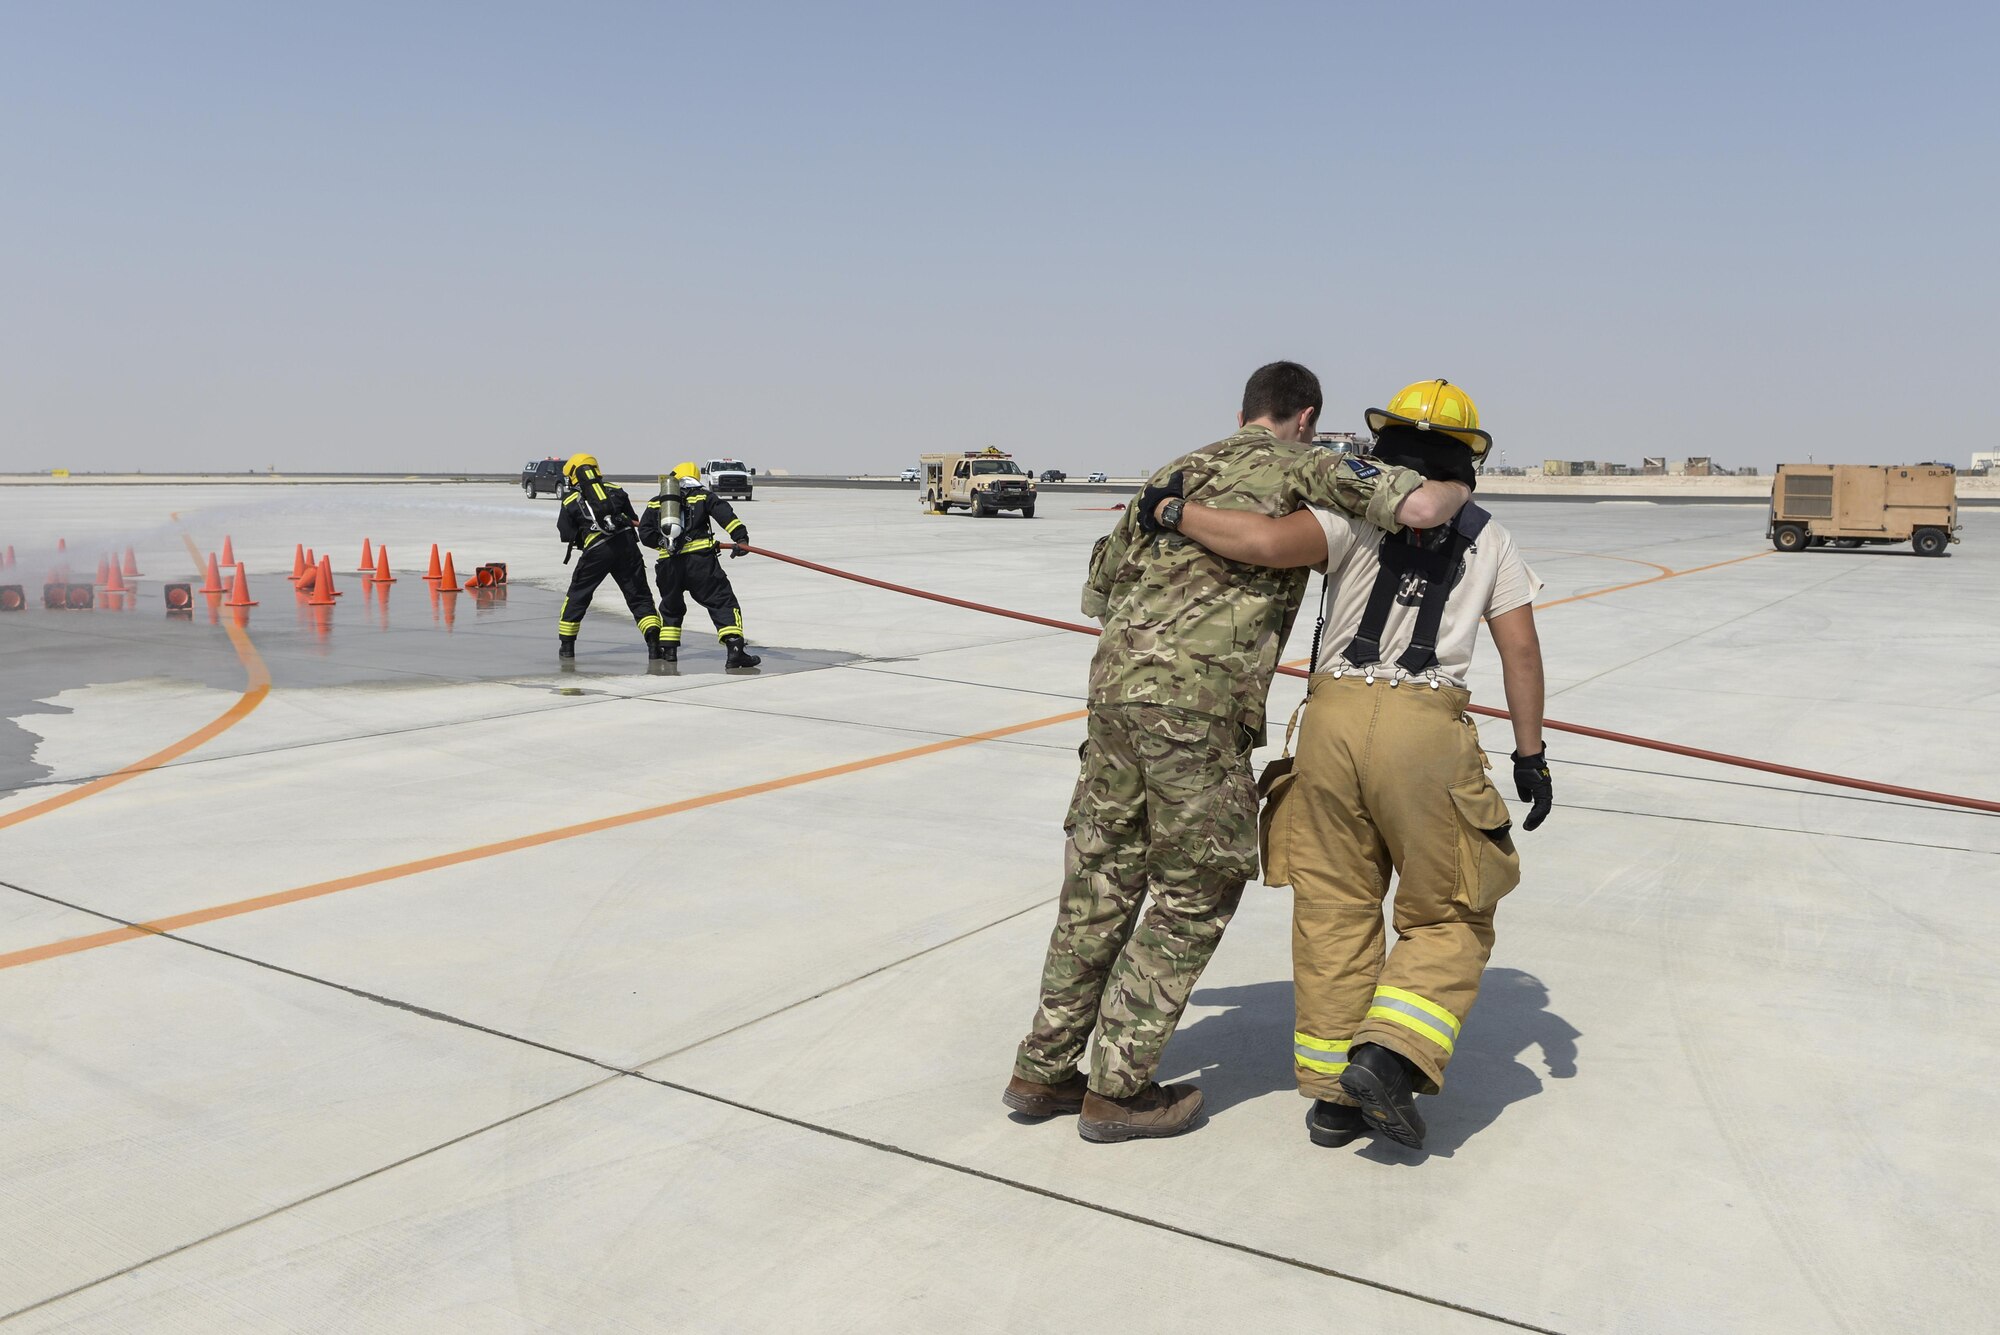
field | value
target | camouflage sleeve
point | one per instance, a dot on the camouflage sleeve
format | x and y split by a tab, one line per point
1355	484
1106	555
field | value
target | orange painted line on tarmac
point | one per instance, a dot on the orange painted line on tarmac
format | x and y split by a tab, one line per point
256	688
1641	583
1606	556
320	889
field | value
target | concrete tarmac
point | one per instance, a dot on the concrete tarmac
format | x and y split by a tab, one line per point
475	995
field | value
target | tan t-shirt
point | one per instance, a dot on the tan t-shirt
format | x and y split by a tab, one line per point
1496	580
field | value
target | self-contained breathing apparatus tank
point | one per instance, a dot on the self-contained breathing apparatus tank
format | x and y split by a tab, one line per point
595	500
673	514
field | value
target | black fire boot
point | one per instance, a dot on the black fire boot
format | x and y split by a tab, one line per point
1383	1082
566	646
739	657
1332	1125
666	651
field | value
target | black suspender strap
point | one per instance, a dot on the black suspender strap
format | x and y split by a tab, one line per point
1399	559
1365	649
1421	656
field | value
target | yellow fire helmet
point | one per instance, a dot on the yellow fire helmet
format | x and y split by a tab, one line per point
577	461
687	472
1435	405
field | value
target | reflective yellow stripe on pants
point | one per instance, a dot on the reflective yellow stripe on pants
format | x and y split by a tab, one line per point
1328	1056
1419	1015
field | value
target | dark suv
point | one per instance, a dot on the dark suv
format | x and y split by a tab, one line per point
541	475
1054	475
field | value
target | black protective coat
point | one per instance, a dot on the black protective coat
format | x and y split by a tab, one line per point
614	554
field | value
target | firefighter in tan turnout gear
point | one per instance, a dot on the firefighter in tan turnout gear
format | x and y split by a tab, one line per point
689	567
1390	774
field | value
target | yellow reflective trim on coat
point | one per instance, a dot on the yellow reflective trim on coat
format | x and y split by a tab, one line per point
1320	1044
1315	1064
1424	1004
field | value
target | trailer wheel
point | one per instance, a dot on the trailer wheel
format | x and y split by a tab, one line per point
1789	538
1930	541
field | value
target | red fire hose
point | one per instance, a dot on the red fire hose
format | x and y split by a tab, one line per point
1581	730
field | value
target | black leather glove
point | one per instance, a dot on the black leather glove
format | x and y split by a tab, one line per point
741	546
1532	782
1150	498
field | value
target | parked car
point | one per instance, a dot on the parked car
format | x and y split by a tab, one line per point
911	475
540	475
1100	476
1054	475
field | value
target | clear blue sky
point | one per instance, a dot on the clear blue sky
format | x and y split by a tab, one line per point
432	236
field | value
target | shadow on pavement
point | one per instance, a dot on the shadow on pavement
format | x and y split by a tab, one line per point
1245	1052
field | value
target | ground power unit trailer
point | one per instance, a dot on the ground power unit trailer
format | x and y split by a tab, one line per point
1847	505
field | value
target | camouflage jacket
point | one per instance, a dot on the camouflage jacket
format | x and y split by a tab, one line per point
1185	628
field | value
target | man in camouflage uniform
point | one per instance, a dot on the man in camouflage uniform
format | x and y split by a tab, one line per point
1166	802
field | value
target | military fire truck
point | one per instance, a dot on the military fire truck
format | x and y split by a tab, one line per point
985	483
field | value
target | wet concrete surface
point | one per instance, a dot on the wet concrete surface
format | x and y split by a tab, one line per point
399	634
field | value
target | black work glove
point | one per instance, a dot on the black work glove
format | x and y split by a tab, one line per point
741	546
1532	782
1150	498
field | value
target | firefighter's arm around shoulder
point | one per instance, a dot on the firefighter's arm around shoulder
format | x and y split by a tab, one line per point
1386	495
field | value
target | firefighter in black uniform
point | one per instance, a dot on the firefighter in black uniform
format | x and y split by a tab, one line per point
688	566
597	517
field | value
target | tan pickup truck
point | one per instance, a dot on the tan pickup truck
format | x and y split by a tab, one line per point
985	483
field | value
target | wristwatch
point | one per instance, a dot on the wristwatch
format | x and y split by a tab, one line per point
1170	513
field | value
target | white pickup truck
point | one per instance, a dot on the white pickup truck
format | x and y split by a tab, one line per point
727	478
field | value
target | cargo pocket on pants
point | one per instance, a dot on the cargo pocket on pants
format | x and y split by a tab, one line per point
1488	866
1274	819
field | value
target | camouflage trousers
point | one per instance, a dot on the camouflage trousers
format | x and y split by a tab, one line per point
1166	806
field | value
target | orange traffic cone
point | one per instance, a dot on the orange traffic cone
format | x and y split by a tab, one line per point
307	580
131	564
382	575
239	591
367	566
115	584
298	562
213	582
432	574
103	572
323	593
62	544
448	581
10	556
228	551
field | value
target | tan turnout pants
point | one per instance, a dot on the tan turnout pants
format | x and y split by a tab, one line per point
1387	777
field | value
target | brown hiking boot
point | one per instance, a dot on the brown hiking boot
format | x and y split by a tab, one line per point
1031	1098
1156	1110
